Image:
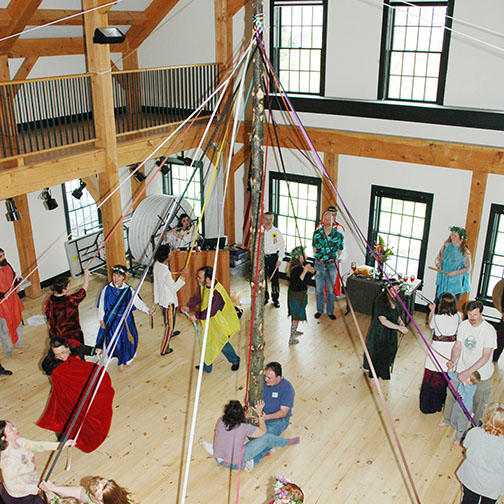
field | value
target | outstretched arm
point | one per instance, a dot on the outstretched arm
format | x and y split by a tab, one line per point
76	492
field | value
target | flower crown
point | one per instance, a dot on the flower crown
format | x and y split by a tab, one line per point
297	252
283	496
461	232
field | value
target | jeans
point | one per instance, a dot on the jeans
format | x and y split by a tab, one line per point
256	449
230	355
278	425
325	274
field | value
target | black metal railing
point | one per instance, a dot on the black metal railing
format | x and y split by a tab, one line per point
40	114
150	98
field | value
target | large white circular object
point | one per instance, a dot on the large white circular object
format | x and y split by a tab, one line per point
146	220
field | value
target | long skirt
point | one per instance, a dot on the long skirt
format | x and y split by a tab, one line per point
432	392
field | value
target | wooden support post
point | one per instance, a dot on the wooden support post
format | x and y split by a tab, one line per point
474	211
26	246
255	389
331	165
223	34
239	158
98	63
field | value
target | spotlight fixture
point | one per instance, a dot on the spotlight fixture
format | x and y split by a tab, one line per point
139	175
77	193
12	212
165	169
108	35
49	202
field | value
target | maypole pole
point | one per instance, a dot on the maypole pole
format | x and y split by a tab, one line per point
256	184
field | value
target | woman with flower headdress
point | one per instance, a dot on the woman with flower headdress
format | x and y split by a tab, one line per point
96	490
299	272
454	263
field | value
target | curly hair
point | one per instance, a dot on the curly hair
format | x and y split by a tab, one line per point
463	246
234	414
3	442
106	491
494	420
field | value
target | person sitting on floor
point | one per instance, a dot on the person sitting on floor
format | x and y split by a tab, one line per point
231	433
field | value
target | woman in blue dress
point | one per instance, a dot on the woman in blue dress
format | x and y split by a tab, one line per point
113	300
454	260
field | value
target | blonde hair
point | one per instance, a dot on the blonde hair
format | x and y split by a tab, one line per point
104	491
494	419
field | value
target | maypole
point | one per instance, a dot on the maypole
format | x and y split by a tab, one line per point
256	186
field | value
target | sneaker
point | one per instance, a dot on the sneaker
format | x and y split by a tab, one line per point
293	341
175	333
5	372
208	447
265	302
298	333
236	366
249	465
276	304
332	316
317	315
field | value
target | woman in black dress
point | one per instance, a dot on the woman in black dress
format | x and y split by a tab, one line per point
382	339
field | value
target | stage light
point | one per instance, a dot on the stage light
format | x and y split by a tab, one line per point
77	193
139	175
12	212
165	169
108	35
49	202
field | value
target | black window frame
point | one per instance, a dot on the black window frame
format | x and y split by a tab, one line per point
386	48
275	53
274	179
378	192
67	213
496	210
168	190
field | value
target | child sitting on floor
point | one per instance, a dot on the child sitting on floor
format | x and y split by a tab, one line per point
466	392
299	273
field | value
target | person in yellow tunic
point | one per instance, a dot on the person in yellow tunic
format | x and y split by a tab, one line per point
223	323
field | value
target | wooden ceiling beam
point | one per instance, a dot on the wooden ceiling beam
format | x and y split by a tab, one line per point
44	16
46	47
406	150
233	6
20	12
25	68
155	13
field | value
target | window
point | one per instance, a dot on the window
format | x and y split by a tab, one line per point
402	219
492	269
176	180
82	215
298	41
303	207
415	50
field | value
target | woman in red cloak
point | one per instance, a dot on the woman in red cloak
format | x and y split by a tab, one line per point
70	376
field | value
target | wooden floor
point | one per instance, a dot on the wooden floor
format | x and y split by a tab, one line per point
345	454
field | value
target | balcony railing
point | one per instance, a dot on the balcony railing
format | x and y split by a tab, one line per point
41	114
145	99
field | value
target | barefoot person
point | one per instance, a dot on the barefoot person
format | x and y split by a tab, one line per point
112	303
